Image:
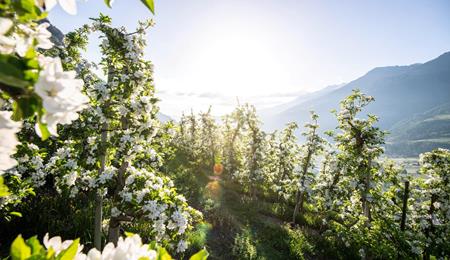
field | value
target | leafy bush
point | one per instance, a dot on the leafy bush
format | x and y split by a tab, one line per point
197	239
244	245
299	246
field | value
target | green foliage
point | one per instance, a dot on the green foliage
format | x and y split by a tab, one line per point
26	10
32	249
70	252
299	246
150	5
20	250
3	188
201	255
244	246
197	239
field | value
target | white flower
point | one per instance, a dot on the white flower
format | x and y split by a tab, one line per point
71	163
127	196
182	246
362	253
90	160
129	248
416	250
8	140
138	74
115	212
140	194
91	140
60	92
57	244
71	178
7	44
70	6
123	110
40	34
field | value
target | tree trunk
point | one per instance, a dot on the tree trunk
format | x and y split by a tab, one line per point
300	194
405	206
299	198
114	223
98	196
114	230
365	202
98	221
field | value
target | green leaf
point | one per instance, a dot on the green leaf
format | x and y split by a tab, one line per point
129	234
70	252
27	10
200	255
108	3
153	245
25	107
35	245
20	250
15	213
162	254
3	189
45	134
11	72
150	5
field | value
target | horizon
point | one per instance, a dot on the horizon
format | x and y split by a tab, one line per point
271	53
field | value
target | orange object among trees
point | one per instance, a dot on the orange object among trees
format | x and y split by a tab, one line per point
218	168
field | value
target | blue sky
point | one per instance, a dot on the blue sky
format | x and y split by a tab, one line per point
268	51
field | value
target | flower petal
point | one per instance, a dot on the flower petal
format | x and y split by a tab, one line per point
70	6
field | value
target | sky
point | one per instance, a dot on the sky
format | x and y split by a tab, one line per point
267	52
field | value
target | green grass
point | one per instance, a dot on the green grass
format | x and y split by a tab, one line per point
247	228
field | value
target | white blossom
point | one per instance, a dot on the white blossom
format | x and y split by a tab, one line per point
57	244
115	212
7	43
182	246
70	6
60	92
28	36
8	140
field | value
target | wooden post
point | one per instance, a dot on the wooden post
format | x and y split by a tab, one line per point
431	228
405	206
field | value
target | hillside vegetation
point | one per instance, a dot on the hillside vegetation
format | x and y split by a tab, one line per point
403	94
421	133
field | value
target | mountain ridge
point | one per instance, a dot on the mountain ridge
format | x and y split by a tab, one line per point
400	92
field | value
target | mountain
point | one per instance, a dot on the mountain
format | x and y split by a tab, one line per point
163	117
400	93
420	133
269	112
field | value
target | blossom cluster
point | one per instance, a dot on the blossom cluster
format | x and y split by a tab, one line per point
59	90
8	140
129	248
117	128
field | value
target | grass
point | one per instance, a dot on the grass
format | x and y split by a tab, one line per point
247	228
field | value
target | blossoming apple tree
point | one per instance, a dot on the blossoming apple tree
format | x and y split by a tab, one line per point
26	73
313	146
110	148
430	208
285	160
251	174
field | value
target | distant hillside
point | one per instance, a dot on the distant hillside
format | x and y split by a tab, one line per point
269	112
163	117
400	93
421	133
